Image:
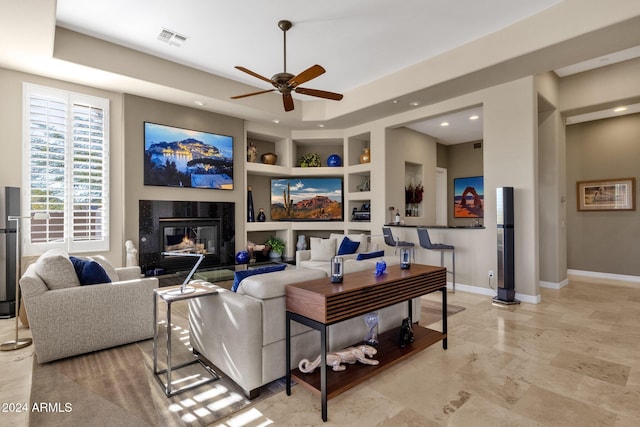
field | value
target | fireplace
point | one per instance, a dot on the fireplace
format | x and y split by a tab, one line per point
185	227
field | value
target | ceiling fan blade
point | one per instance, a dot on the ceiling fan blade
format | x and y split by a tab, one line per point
308	74
319	93
287	100
251	73
251	94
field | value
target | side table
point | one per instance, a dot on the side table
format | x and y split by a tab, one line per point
169	295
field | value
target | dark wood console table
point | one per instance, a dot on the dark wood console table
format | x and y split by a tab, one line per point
320	303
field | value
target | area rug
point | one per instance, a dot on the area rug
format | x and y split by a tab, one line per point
432	311
116	387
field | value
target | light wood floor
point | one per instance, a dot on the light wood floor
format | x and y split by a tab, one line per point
571	360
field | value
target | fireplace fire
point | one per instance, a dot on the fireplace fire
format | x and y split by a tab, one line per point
189	227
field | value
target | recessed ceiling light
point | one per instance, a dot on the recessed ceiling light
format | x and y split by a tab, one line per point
320	125
414	103
200	103
444	124
619	109
474	117
395	101
276	121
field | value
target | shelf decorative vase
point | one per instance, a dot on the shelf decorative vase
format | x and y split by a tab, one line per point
371	320
334	160
250	210
365	157
301	245
261	216
269	158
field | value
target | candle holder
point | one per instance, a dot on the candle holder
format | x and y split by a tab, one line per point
337	269
405	258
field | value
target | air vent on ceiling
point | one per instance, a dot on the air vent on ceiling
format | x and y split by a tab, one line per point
171	37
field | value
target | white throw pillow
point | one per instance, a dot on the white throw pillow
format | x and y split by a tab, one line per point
108	267
322	249
56	270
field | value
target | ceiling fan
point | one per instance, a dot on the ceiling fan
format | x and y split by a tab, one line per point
285	82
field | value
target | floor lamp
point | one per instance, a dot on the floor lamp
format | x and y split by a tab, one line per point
25	342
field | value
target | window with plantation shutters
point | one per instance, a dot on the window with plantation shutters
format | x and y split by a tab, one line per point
66	151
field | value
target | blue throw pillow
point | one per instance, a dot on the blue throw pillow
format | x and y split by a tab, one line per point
348	246
89	272
369	255
242	274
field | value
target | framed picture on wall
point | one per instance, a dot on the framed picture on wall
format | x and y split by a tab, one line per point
468	197
607	195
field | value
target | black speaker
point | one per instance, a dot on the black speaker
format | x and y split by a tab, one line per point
506	254
8	288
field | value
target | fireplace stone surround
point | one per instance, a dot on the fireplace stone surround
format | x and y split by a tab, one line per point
185	226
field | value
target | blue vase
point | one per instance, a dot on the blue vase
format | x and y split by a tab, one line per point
334	160
242	257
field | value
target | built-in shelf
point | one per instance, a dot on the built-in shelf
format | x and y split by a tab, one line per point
356	176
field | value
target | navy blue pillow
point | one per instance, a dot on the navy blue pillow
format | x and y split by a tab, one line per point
89	272
348	247
242	274
369	255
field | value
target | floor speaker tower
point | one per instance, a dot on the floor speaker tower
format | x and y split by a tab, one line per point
506	256
8	264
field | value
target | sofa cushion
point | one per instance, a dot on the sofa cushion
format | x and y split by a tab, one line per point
89	272
273	285
239	276
322	249
108	267
370	255
56	270
348	246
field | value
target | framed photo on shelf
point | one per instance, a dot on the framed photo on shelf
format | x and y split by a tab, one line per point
607	195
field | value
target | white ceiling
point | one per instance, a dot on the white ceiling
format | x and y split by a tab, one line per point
366	46
356	41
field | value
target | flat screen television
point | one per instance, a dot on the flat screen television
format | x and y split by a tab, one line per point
177	157
468	197
307	199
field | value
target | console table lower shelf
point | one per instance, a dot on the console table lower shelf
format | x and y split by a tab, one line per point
389	354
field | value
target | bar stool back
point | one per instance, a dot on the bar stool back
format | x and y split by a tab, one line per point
425	242
391	240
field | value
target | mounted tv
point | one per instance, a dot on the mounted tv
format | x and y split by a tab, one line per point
307	199
468	197
176	157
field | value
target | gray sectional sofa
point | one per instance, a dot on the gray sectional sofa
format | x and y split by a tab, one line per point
243	333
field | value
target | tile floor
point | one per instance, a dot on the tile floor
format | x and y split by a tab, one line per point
574	359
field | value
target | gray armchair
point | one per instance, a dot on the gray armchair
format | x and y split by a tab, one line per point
71	320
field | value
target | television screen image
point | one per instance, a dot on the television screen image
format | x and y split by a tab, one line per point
312	199
177	157
468	197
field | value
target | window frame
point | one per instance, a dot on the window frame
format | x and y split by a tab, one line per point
70	99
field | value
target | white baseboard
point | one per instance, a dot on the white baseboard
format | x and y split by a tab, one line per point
553	285
606	276
530	299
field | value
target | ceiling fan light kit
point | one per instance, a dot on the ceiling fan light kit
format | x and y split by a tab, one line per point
285	83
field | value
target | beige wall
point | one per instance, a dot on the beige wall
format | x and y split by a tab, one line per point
552	184
11	161
405	145
137	110
603	241
463	160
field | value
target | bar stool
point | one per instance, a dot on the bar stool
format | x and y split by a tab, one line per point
391	240
425	242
